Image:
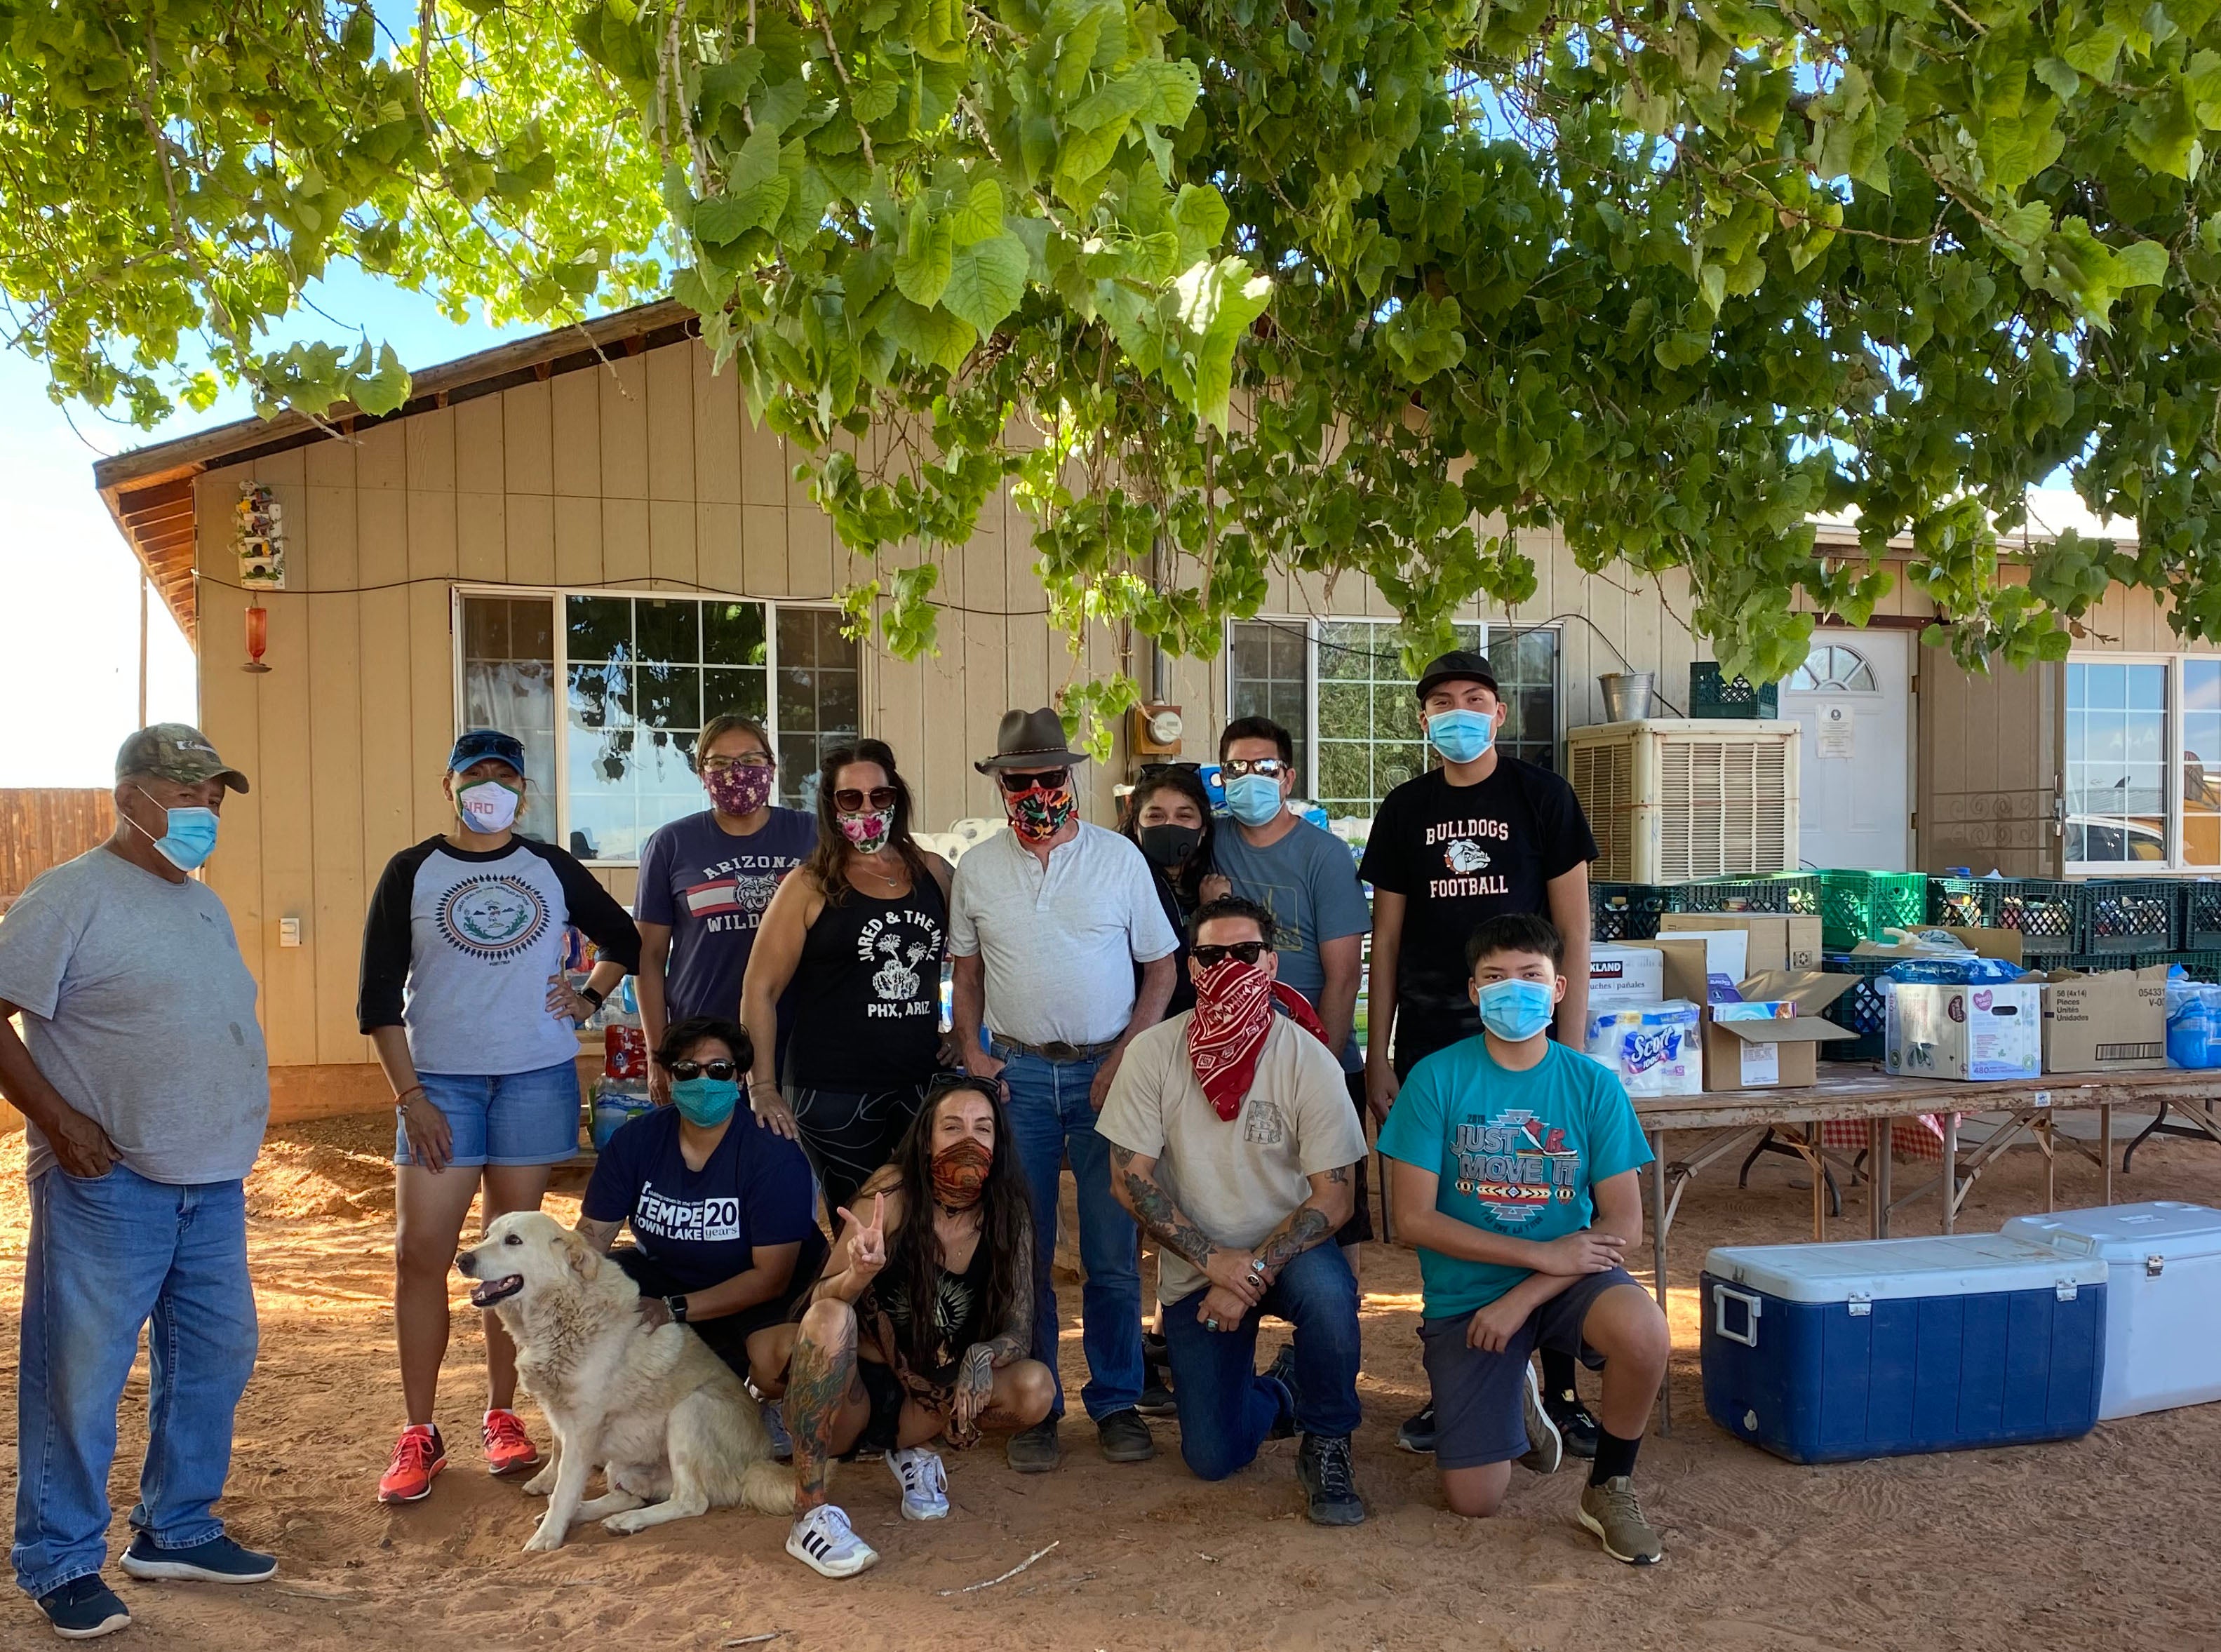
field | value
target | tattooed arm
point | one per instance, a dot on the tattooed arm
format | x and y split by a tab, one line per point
600	1235
1333	1197
975	1375
1134	1181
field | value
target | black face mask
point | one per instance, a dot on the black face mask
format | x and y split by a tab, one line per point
1168	846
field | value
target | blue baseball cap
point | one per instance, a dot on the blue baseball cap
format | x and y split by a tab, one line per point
477	745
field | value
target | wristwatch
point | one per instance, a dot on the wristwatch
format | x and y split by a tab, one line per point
676	1306
592	995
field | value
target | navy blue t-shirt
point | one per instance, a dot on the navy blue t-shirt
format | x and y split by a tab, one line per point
709	889
702	1226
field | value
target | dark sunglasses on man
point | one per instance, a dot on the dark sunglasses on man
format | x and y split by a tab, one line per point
1018	782
850	801
1211	956
720	1069
1270	767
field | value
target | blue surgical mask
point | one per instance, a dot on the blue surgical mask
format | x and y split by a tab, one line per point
1252	800
1461	735
187	839
1515	1011
706	1102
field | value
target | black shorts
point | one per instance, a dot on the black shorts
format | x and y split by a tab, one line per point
1479	1416
728	1337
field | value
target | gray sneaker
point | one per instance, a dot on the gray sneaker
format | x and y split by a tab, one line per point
1611	1512
1546	1447
1126	1437
1034	1450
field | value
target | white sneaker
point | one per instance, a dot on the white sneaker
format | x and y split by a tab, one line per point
924	1483
822	1541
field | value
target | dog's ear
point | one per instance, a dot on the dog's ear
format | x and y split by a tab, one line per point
584	1260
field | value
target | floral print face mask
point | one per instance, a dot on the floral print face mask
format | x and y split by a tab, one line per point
1037	816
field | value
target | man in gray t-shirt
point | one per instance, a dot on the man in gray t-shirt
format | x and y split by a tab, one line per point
143	1079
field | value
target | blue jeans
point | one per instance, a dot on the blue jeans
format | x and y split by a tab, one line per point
108	1256
1050	1119
1226	1409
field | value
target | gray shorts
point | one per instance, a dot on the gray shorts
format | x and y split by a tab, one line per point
1479	1417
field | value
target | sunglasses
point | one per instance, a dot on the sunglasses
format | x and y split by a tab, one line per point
849	801
1018	783
720	1069
1270	767
1210	957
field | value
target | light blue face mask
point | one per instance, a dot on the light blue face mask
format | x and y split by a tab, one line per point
188	839
1252	800
1515	1011
1461	735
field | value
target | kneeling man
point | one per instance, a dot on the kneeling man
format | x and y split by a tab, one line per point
1516	1176
1233	1142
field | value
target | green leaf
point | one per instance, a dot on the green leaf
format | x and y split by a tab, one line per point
2142	265
932	336
986	280
2095	53
922	267
978	215
1217	303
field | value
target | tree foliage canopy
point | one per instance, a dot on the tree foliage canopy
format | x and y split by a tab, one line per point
1368	286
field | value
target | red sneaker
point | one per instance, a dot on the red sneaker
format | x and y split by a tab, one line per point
509	1449
418	1456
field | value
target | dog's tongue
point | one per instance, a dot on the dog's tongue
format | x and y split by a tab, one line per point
487	1292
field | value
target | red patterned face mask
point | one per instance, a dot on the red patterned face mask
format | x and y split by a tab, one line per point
960	1173
1234	1005
739	790
1037	816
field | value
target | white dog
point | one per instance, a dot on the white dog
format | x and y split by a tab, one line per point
672	1430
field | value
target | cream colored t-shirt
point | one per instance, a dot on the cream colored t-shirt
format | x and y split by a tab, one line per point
1237	1179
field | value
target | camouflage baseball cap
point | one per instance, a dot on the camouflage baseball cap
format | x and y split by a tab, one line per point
175	751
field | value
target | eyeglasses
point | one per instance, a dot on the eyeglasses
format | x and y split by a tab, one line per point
1210	957
745	760
1016	782
719	1069
849	801
1270	767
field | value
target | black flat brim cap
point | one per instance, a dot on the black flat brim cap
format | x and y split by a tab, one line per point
1459	666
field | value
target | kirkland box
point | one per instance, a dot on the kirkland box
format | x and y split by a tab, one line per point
1883	1348
1625	974
1982	1033
2162	1298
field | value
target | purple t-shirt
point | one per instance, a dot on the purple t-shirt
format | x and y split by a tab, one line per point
710	889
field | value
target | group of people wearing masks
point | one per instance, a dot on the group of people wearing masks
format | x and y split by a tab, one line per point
1169	1009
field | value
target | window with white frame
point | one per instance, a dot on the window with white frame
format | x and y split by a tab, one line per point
1339	686
2142	779
640	676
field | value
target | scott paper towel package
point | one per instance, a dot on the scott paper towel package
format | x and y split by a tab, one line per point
1657	1049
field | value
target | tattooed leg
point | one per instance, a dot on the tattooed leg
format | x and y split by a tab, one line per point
825	1404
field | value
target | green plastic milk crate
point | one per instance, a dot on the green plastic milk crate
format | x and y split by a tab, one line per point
2047	912
1857	906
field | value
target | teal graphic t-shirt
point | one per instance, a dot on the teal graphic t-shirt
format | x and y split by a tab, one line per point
1517	1153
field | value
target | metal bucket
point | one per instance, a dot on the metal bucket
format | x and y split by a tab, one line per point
1626	696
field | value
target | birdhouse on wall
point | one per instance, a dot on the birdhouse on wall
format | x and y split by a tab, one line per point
259	537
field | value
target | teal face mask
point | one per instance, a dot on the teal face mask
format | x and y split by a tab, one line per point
1461	735
706	1102
1252	800
188	838
1515	1011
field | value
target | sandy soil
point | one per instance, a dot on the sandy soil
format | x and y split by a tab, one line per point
2084	1544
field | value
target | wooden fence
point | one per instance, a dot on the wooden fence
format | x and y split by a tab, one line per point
42	827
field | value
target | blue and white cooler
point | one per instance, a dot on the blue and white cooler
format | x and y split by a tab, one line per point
2163	1297
1883	1348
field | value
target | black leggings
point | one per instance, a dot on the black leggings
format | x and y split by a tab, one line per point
848	1136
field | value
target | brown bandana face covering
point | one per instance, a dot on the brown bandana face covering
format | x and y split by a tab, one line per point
960	1173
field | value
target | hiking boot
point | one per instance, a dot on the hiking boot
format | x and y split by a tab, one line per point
418	1457
1545	1449
217	1561
1126	1437
924	1483
1323	1469
1611	1512
85	1608
1576	1427
1417	1432
822	1541
1283	1371
1156	1379
1034	1451
509	1449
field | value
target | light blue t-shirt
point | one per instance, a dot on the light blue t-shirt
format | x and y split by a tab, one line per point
1308	881
1517	1152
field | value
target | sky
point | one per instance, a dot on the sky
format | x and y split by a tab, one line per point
69	585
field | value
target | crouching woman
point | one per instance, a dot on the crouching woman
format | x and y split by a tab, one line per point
919	1329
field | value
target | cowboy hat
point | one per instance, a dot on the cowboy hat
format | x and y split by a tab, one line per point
1033	739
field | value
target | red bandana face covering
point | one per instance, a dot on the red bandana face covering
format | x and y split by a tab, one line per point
960	1173
1233	1014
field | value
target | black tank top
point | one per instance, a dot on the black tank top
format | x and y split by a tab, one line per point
958	1306
867	992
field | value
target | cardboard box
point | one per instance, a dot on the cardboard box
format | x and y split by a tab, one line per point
1656	1050
1769	1037
1774	943
2110	1022
1625	974
1704	965
1976	1033
1985	943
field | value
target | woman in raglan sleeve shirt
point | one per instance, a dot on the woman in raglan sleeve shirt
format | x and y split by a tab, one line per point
476	1027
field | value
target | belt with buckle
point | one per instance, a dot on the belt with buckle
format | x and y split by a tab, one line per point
1056	1049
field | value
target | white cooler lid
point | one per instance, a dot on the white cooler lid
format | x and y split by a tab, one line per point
1882	1270
2126	1233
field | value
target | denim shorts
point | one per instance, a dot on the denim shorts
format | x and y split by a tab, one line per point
1479	1414
503	1118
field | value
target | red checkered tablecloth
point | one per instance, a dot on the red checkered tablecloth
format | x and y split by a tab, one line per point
1920	1136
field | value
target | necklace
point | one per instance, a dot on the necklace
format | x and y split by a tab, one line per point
889	879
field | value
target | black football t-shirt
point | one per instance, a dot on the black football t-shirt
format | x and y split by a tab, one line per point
1461	855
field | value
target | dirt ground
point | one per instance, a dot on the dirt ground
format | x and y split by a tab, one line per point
2029	1550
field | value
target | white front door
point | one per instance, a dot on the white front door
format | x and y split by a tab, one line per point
1853	696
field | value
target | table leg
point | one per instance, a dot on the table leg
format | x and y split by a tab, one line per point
2105	1147
1819	1169
1659	1223
1878	1174
2050	1164
1951	1171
